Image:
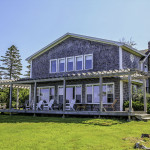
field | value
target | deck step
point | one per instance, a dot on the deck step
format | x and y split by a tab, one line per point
143	117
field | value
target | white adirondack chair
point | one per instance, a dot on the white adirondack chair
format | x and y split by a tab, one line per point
39	104
70	106
49	105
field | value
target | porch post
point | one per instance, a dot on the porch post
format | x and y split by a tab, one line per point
101	93
144	95
17	98
10	101
35	93
130	92
64	95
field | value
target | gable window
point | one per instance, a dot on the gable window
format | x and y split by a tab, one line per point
53	65
61	65
88	61
70	64
79	62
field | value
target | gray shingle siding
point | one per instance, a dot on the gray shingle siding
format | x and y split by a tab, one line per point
105	57
127	63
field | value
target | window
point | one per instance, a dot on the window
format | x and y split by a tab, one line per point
88	61
60	94
45	93
92	93
96	94
70	64
79	62
78	94
53	65
61	65
72	92
89	93
52	93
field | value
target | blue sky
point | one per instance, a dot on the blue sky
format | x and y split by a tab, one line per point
32	24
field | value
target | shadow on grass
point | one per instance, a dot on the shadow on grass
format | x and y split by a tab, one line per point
31	119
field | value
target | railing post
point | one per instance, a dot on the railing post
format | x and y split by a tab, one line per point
17	98
130	92
10	101
144	95
64	95
35	95
101	93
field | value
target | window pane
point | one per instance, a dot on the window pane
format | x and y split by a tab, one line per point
69	94
79	63
104	94
53	66
96	94
70	64
88	62
89	94
61	65
44	95
51	93
78	94
60	93
109	93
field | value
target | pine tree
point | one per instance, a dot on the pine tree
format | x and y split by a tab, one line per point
0	73
11	65
28	71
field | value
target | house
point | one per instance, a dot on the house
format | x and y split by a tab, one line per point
92	71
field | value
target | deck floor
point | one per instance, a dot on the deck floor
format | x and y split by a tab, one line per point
84	113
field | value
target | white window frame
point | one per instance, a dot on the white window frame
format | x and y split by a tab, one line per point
64	64
50	65
85	61
76	62
67	64
46	87
97	84
76	85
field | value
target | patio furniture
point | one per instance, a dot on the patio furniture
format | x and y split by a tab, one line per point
39	105
27	106
111	106
70	106
49	106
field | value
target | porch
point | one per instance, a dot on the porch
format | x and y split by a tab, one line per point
32	106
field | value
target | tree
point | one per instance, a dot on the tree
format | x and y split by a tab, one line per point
28	71
11	65
129	42
0	73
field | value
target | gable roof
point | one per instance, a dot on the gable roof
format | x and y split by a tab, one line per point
67	35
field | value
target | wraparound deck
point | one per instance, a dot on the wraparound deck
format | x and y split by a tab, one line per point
84	113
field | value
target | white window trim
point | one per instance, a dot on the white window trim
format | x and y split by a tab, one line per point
48	87
76	62
50	65
67	64
64	64
85	60
61	86
97	84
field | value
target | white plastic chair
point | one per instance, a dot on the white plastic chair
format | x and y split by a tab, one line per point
71	105
39	104
49	105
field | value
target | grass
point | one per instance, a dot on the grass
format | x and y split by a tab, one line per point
52	133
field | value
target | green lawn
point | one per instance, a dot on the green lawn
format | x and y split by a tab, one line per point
49	133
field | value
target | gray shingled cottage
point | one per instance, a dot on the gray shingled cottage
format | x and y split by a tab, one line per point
86	76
